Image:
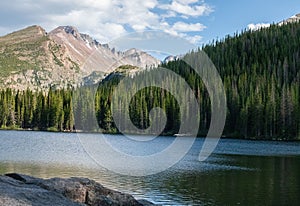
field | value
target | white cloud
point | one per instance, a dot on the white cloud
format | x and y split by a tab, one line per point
194	39
255	27
112	28
106	19
188	10
169	14
96	4
184	27
186	2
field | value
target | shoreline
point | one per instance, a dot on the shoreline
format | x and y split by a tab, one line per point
163	135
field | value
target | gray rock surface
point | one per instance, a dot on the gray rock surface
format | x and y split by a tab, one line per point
23	190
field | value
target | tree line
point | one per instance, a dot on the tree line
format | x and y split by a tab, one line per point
261	75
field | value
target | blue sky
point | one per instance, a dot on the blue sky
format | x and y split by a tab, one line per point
196	21
231	16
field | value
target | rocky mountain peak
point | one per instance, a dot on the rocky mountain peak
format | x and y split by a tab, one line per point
70	30
73	31
172	58
38	29
132	51
88	39
31	33
292	19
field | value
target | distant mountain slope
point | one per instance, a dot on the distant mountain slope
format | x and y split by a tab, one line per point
292	19
31	58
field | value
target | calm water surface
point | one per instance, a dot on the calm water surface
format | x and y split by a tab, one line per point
238	173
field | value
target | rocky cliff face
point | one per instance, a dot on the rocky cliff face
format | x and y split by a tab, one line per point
32	58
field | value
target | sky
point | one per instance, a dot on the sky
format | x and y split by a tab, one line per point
198	22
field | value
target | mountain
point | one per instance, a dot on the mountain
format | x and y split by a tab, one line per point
32	58
292	19
172	58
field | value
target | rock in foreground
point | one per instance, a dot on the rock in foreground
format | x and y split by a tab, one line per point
17	189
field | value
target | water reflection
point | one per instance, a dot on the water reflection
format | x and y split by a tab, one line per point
275	181
239	173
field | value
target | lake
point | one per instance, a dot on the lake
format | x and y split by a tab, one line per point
239	172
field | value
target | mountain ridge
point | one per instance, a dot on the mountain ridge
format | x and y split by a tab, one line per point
292	19
32	58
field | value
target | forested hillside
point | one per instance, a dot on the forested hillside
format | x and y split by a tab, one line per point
260	72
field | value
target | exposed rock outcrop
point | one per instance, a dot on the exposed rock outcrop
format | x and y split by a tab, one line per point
23	190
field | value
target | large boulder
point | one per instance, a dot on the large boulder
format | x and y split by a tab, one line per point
18	189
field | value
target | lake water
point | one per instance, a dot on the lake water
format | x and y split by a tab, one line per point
237	173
